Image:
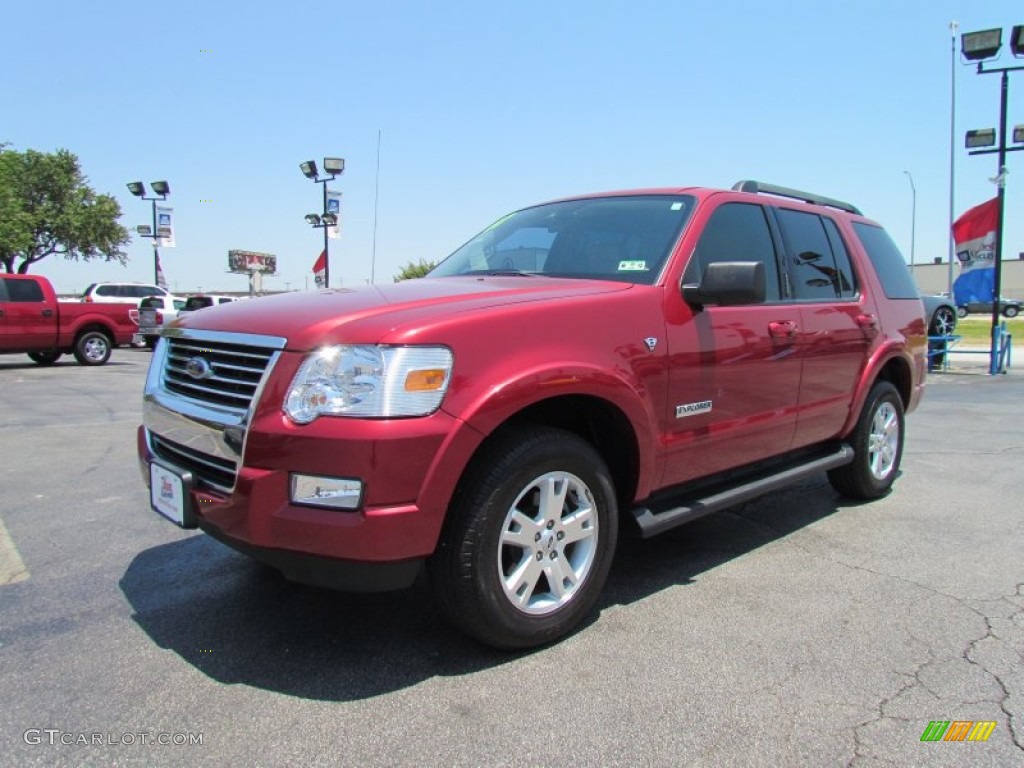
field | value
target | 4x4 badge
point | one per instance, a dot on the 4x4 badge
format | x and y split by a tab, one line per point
651	343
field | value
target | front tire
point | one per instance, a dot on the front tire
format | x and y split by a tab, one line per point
1010	311
877	445
529	539
92	348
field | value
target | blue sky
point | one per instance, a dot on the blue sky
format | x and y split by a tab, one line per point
484	107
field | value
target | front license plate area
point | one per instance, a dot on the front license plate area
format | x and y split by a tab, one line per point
170	494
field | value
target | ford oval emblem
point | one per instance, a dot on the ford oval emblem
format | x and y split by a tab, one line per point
199	368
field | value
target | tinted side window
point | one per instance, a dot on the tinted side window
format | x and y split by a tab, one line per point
810	262
888	262
3	289
736	232
179	304
23	291
107	290
847	279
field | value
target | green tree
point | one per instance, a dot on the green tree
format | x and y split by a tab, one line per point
415	269
47	207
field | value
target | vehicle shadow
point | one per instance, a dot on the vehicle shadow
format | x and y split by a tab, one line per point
237	621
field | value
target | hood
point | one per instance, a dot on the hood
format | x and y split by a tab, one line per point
367	315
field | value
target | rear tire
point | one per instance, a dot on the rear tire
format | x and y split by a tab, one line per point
529	539
877	444
961	312
1010	311
49	357
92	348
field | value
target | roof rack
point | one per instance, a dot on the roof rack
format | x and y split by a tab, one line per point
807	197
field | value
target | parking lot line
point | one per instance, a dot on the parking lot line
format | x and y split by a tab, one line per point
12	569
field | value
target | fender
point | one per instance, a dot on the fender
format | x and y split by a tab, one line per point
490	408
886	352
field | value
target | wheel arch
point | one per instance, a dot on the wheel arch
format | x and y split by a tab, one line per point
896	370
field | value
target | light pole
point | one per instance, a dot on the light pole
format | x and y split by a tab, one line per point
333	166
979	47
913	217
163	189
953	27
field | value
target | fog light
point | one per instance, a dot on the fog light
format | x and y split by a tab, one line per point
329	492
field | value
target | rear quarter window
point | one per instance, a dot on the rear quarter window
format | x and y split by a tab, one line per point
892	270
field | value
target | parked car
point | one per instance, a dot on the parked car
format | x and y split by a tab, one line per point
639	358
940	313
154	313
194	303
122	293
34	322
1007	308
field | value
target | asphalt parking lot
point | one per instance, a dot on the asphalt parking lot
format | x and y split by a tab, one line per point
796	630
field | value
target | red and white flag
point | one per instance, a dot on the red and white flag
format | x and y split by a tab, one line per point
320	270
975	236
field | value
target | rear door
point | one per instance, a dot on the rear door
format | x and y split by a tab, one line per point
27	320
734	370
837	323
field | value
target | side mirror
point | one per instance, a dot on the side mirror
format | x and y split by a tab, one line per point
728	283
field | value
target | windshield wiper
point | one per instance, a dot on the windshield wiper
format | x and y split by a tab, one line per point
510	273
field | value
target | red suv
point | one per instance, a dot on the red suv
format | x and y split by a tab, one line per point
634	358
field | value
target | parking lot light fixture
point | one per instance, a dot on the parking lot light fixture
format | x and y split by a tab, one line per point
978	46
161	189
333	166
985	137
1018	134
1017	41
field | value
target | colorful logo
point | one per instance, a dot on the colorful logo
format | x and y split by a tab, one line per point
958	730
166	490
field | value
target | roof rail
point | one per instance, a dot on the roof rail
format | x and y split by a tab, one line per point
807	197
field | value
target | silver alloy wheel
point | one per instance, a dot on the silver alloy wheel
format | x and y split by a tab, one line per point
95	348
883	441
944	322
548	543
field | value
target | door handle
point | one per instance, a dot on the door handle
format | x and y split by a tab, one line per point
47	313
782	328
867	322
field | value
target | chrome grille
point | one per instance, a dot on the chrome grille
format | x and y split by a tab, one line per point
209	472
237	370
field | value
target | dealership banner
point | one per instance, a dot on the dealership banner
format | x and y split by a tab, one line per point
165	226
974	234
160	279
334	206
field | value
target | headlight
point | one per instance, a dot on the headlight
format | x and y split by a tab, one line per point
369	381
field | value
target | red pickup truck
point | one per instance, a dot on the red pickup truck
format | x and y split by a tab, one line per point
639	358
32	320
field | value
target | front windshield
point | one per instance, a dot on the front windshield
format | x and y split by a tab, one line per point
606	238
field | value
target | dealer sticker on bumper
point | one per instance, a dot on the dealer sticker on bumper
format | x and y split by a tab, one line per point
169	494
